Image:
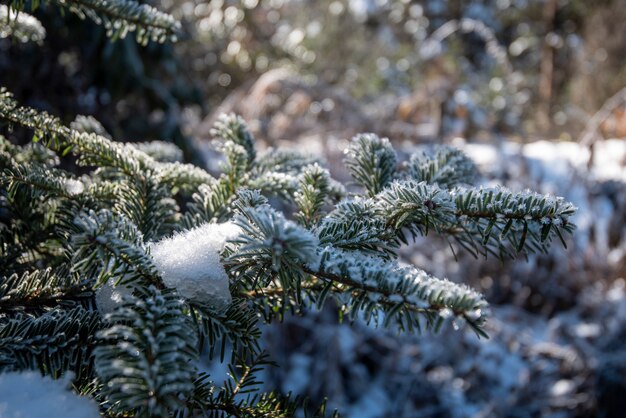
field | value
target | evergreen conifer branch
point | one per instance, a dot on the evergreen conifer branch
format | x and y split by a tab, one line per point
354	224
278	184
104	245
96	150
89	125
146	357
232	128
20	26
96	231
39	289
282	161
270	247
235	167
205	402
312	193
371	161
237	325
119	17
33	153
447	167
39	181
403	294
483	221
148	205
160	151
210	203
57	341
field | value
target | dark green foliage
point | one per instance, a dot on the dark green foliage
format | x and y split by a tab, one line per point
231	128
118	17
54	342
313	191
371	161
146	356
448	167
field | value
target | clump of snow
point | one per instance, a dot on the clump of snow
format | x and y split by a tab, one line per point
74	187
109	296
30	395
20	26
190	263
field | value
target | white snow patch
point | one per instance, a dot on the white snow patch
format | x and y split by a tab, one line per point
74	187
30	395
190	263
562	387
609	159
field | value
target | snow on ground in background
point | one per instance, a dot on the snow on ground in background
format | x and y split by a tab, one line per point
562	168
30	395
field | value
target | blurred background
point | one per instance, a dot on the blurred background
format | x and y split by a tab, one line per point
530	89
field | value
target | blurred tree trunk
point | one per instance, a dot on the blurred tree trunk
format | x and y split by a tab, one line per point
600	70
546	69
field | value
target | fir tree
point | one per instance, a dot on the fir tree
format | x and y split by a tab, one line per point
124	276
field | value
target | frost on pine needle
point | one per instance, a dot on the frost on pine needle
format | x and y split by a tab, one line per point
395	284
30	395
271	237
109	296
446	167
190	263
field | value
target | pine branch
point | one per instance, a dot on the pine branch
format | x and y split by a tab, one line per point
54	342
371	161
148	205
146	356
356	225
32	153
237	325
38	182
270	247
282	161
204	402
120	17
232	128
448	167
210	203
403	294
89	125
95	150
313	191
523	221
283	185
160	151
495	221
39	289
104	246
236	165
